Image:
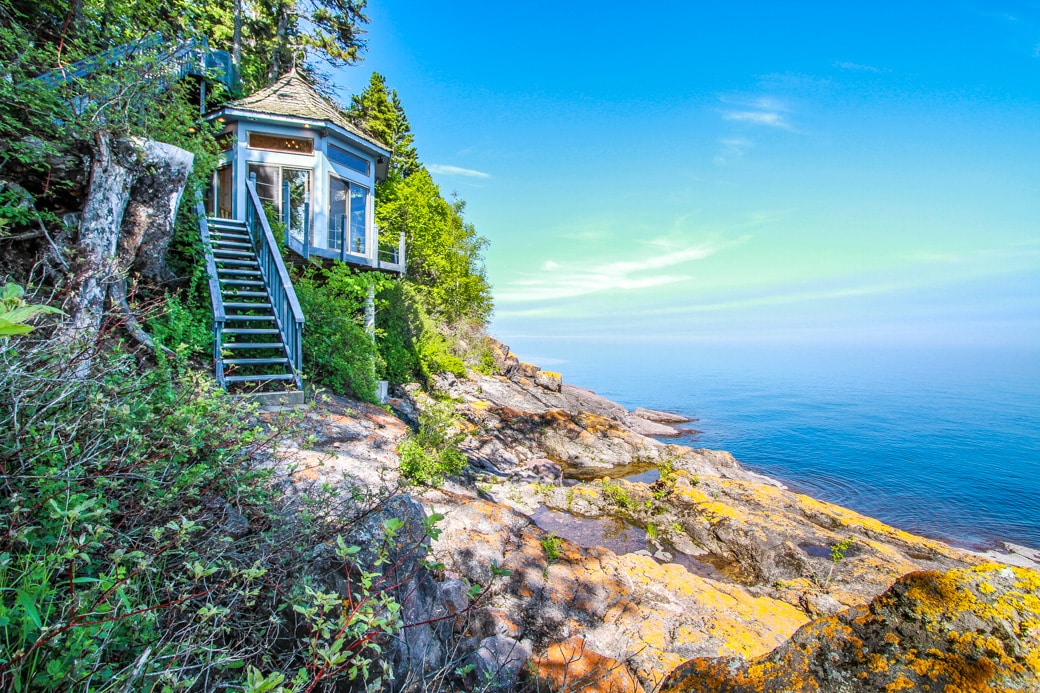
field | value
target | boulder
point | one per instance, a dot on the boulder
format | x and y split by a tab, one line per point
506	362
553	382
646	427
497	662
527	370
967	629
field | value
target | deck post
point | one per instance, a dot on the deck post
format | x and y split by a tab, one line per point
286	219
306	230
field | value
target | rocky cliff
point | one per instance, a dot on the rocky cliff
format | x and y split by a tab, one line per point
605	559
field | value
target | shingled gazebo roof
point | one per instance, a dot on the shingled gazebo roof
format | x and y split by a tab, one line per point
295	97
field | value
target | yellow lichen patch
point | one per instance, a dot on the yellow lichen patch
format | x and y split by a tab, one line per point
552	374
479	404
900	684
891	638
877	663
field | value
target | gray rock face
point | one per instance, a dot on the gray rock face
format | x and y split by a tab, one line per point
497	662
418	649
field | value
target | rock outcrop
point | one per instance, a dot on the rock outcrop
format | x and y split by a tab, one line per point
970	629
722	569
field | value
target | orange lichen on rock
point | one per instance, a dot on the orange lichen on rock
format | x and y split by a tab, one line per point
954	636
572	666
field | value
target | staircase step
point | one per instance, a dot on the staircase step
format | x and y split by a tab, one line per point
229	237
253	345
233	271
247	306
237	263
245	318
226	252
254	362
235	293
232	244
232	223
249	378
241	282
250	330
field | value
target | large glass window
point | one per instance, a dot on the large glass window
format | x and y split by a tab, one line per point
270	181
345	158
348	209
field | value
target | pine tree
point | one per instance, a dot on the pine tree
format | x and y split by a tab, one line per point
380	112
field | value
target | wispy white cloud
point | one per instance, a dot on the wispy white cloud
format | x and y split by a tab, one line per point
448	170
560	280
859	67
775	120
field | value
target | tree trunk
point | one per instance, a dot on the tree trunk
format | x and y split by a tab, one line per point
236	39
111	176
127	222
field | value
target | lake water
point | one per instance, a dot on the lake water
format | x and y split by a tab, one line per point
940	442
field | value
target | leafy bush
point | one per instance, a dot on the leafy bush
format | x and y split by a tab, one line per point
337	351
144	550
182	326
432	453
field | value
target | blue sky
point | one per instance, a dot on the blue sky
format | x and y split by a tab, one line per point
753	172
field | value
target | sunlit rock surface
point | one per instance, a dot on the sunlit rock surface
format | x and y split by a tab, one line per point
966	630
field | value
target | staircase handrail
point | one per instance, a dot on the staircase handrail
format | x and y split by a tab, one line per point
216	300
283	297
182	56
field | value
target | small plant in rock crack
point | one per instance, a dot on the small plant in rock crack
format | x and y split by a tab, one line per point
838	551
551	545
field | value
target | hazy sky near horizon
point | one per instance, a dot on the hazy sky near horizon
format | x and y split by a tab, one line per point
744	171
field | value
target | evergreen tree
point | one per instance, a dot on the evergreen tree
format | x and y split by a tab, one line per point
380	112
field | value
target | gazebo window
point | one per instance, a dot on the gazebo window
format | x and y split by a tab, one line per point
269	182
345	158
348	207
280	143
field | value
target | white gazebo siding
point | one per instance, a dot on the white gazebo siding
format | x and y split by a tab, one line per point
321	167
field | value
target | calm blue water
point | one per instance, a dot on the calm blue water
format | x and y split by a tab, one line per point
941	442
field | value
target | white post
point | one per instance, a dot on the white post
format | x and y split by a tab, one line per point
370	311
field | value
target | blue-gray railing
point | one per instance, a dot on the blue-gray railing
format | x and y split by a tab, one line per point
283	298
184	57
216	300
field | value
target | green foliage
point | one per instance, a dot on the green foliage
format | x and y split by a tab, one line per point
444	252
380	112
619	496
432	453
839	549
397	324
551	546
122	563
337	351
15	313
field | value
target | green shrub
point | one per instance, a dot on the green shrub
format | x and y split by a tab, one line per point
337	351
120	565
182	326
395	317
432	453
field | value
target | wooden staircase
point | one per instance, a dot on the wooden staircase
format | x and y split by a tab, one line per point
253	349
257	321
